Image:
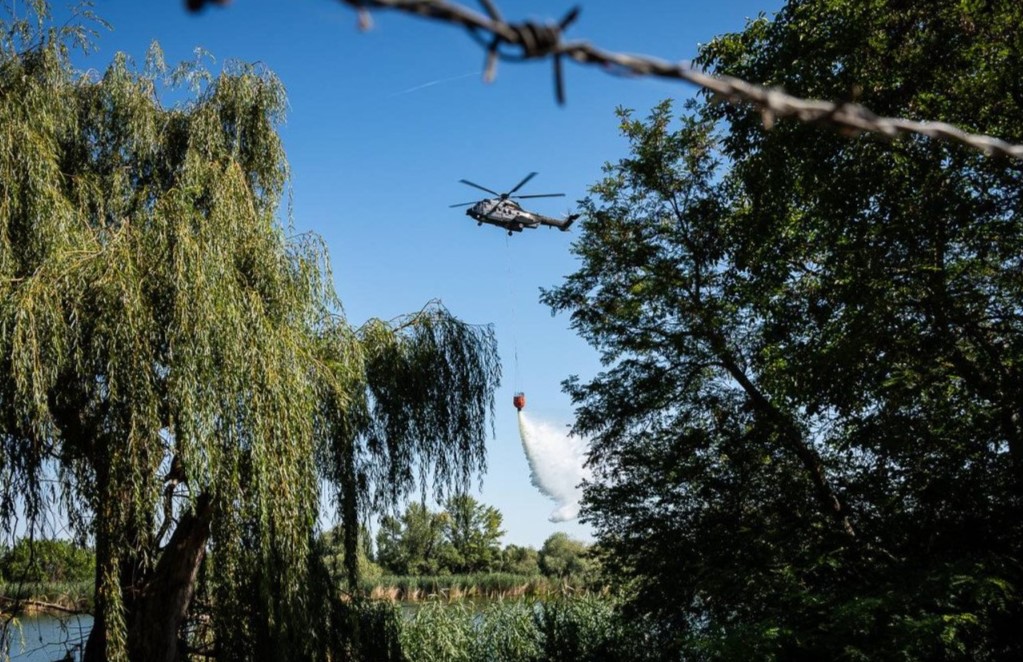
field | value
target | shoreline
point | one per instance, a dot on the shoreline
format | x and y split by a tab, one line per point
35	606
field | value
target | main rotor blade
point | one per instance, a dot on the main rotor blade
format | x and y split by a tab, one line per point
482	188
521	184
463	204
541	195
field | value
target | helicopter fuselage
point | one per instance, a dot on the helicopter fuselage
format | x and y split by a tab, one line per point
505	213
509	215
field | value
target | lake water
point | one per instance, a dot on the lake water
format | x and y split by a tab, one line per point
48	638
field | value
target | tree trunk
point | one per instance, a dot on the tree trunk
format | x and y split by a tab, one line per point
350	518
163	604
157	606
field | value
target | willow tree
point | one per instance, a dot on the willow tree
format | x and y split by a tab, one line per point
175	363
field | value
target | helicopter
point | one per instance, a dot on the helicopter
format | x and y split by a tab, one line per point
504	212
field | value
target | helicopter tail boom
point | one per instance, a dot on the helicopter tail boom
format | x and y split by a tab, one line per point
562	225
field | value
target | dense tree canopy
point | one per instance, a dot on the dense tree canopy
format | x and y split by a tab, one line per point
463	537
807	441
519	560
562	557
331	544
412	543
175	361
47	560
473	530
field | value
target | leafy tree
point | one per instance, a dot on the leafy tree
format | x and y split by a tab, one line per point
806	440
46	560
520	560
464	537
333	553
413	544
563	557
174	363
473	532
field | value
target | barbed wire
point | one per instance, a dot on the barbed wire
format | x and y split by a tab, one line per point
530	40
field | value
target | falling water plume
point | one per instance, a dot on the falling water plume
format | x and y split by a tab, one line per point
556	465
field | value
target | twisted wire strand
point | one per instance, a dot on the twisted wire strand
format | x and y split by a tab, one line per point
531	40
772	103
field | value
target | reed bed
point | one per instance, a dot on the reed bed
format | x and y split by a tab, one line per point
525	630
478	586
29	597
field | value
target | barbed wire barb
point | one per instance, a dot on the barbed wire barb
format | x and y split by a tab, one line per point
531	40
535	40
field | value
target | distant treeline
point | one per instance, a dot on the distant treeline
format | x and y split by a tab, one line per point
49	561
462	539
48	575
451	554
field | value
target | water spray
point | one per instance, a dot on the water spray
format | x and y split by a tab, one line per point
556	461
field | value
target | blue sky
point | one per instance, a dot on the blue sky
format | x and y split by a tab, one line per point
382	125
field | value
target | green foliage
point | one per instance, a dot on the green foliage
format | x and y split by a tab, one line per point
563	557
172	363
414	544
520	560
437	631
71	595
462	538
588	628
570	629
490	585
403	403
333	553
473	532
47	560
806	439
348	627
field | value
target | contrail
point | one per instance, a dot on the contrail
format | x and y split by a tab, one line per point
432	83
556	465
